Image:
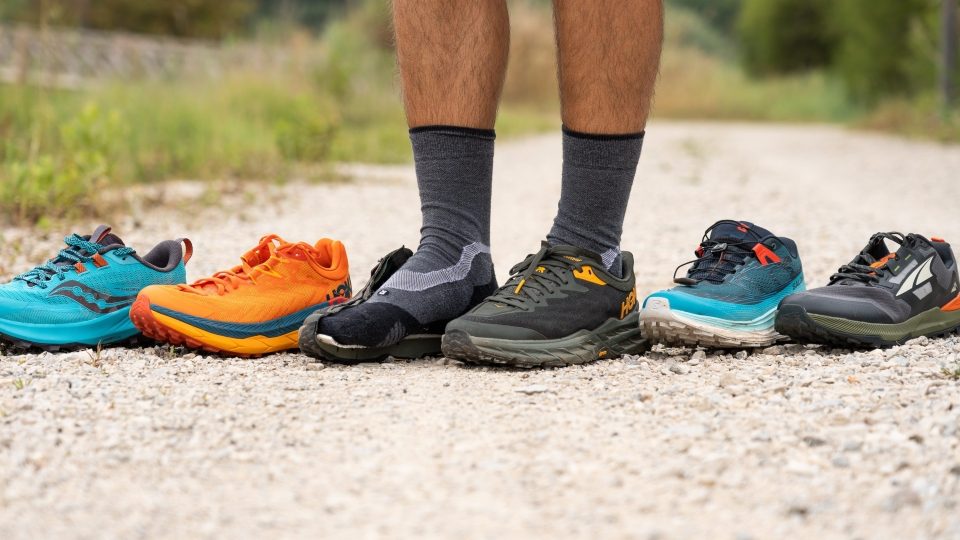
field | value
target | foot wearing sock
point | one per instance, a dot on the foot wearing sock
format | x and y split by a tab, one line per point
598	172
452	269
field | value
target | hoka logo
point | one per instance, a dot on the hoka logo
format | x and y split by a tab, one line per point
342	293
92	299
629	303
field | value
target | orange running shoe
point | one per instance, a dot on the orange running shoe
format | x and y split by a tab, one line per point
254	308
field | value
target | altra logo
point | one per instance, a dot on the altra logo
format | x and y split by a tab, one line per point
918	277
628	303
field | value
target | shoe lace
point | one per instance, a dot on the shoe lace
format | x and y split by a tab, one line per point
865	268
716	259
537	276
78	250
245	272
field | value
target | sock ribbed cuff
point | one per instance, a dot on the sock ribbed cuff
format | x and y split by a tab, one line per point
456	130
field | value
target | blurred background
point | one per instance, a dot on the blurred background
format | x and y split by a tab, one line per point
96	94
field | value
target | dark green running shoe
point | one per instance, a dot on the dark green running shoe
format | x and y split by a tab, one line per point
881	298
559	307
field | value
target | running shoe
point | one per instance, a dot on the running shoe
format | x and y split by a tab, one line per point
559	307
252	309
424	342
82	296
730	294
882	297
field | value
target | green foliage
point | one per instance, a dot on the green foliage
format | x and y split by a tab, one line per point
685	29
43	182
188	18
786	36
882	51
721	15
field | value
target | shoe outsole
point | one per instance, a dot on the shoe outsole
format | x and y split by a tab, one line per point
23	347
676	333
145	321
410	348
795	322
612	340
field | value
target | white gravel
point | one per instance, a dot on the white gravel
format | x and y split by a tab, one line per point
788	442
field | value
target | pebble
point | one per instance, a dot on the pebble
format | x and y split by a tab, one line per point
679	369
532	389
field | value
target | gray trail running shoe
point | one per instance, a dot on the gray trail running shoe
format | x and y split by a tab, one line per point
559	307
881	298
423	343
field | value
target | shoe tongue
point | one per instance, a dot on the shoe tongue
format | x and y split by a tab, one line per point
102	235
257	255
877	249
737	231
573	253
727	232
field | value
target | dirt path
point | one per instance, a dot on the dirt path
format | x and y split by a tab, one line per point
790	442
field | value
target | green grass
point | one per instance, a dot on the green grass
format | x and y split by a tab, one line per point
921	117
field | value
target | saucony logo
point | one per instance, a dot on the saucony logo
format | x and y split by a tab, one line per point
92	299
919	276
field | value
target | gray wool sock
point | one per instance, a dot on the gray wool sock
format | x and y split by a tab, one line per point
598	173
451	270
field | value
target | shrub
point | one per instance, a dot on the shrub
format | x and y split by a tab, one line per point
786	36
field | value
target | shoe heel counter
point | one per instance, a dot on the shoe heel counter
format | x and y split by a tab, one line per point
341	260
178	276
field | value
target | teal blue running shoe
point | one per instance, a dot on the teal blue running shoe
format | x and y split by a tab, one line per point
731	294
82	296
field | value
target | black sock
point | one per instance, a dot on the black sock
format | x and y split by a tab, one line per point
452	269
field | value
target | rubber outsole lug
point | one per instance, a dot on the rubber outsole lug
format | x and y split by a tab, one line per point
678	334
143	319
794	322
23	347
624	339
410	348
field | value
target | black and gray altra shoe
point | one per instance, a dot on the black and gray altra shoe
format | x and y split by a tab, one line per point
559	307
881	298
425	343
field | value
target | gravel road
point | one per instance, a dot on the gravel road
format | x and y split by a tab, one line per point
785	442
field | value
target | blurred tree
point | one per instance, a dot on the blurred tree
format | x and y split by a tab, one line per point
720	14
882	52
785	36
188	18
310	13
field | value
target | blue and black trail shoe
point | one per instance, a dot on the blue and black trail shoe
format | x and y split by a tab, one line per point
883	297
730	294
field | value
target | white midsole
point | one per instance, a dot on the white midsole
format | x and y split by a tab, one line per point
657	311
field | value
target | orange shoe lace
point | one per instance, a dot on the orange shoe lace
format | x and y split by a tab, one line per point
252	263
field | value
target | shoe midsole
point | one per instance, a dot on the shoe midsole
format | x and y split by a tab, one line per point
105	329
416	346
610	327
256	344
762	324
929	322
